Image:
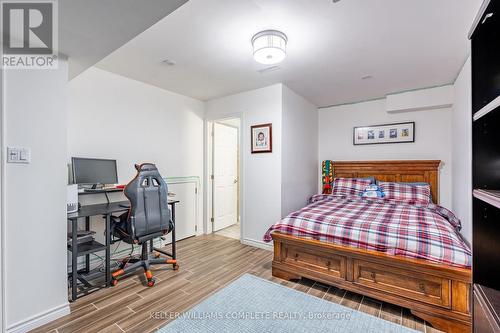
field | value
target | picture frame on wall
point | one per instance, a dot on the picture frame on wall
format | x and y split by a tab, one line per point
262	138
382	134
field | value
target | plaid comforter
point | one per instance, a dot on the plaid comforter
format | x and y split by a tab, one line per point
413	231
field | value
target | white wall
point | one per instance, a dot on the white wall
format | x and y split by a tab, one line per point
35	197
299	165
261	176
432	138
462	150
421	99
2	201
111	116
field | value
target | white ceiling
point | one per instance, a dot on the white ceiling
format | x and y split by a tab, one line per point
403	44
89	30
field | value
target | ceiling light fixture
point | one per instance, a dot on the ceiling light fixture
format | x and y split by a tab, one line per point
269	47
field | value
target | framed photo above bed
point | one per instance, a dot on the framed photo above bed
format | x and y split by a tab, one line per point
262	138
388	133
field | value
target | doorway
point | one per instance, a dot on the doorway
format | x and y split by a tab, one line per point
225	209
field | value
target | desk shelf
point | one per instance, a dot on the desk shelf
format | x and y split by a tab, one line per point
88	247
85	249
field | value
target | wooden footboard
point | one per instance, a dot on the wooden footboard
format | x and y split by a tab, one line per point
437	293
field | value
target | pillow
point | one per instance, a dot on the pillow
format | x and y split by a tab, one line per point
407	192
350	186
371	178
373	191
417	184
420	184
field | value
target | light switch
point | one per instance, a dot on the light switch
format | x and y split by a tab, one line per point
12	155
25	155
18	155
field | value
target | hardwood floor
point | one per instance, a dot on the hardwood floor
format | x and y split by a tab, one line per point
207	264
231	231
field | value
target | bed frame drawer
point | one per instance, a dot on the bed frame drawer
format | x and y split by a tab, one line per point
413	285
319	261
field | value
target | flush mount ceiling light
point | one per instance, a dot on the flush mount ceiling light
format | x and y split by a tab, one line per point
269	47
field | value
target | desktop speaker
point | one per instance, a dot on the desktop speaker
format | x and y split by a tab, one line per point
72	201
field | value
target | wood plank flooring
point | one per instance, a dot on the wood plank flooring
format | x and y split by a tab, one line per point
207	264
232	231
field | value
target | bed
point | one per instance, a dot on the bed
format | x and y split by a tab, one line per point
433	281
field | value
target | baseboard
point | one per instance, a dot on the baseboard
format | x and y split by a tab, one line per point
259	244
39	320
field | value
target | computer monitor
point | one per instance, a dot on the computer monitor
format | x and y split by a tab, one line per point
94	171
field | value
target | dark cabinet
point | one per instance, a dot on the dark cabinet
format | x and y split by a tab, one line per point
485	57
486	306
485	249
486	151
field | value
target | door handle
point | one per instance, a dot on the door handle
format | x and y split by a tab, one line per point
235	181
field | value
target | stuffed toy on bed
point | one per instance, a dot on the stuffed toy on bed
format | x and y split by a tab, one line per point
373	191
327	176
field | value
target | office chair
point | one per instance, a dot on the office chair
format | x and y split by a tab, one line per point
148	218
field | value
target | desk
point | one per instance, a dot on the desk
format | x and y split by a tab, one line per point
77	250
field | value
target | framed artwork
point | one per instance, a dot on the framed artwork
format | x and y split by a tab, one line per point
388	133
262	138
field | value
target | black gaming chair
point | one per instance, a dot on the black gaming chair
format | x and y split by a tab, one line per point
148	218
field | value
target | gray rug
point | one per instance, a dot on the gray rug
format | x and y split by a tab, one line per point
252	304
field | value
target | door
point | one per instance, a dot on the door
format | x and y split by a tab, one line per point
185	210
225	181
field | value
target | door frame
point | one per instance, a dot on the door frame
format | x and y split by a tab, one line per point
3	152
208	167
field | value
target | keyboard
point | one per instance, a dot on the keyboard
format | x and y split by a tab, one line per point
101	190
93	190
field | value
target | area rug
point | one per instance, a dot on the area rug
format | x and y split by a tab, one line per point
252	304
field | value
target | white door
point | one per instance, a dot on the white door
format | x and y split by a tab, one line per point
185	210
225	168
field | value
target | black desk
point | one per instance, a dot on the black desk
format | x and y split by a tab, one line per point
86	249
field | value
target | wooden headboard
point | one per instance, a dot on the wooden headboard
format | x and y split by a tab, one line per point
393	171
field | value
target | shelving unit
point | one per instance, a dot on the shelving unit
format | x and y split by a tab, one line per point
489	196
491	106
489	300
485	57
